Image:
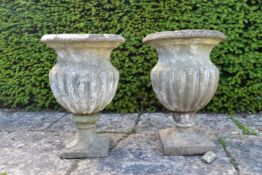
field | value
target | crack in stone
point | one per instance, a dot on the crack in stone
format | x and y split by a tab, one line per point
120	140
136	123
133	131
232	159
51	124
129	133
72	168
138	119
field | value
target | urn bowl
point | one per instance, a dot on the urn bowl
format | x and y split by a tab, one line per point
184	78
83	80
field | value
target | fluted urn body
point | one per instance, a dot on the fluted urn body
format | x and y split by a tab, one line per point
83	80
184	78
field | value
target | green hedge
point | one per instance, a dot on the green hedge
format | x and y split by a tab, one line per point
25	62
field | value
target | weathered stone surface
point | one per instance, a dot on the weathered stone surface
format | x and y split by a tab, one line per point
116	126
246	150
116	123
152	122
185	141
183	34
209	157
116	131
64	124
107	123
86	143
141	154
115	138
31	153
208	123
28	120
183	120
184	78
4	133
89	167
83	80
184	81
254	121
78	38
217	124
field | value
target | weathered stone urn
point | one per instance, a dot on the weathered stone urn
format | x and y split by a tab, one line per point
184	80
84	82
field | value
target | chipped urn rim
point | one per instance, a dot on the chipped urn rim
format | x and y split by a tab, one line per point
179	34
57	38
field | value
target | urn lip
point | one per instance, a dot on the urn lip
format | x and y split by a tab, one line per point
180	34
76	38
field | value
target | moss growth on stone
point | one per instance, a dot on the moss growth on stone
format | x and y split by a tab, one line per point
222	142
247	130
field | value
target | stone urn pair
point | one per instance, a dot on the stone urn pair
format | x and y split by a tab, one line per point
84	82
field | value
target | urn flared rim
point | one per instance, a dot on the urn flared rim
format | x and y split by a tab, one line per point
75	38
180	34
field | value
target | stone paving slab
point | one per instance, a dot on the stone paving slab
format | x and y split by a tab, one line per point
107	123
66	123
30	141
151	122
117	123
141	154
28	120
247	152
254	121
31	153
27	152
217	124
4	133
115	138
211	124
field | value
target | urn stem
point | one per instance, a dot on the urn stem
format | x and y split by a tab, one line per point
185	120
86	121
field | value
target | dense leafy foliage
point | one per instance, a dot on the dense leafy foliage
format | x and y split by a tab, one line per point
25	62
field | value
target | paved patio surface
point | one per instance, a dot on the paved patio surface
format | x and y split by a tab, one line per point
30	142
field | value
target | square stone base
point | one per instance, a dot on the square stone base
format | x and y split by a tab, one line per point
184	141
86	144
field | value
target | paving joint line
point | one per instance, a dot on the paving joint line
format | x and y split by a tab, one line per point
133	131
232	159
136	123
51	124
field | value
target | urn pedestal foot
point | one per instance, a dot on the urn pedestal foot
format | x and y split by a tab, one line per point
86	143
185	139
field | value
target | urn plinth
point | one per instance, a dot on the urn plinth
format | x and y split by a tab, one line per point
84	82
184	80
